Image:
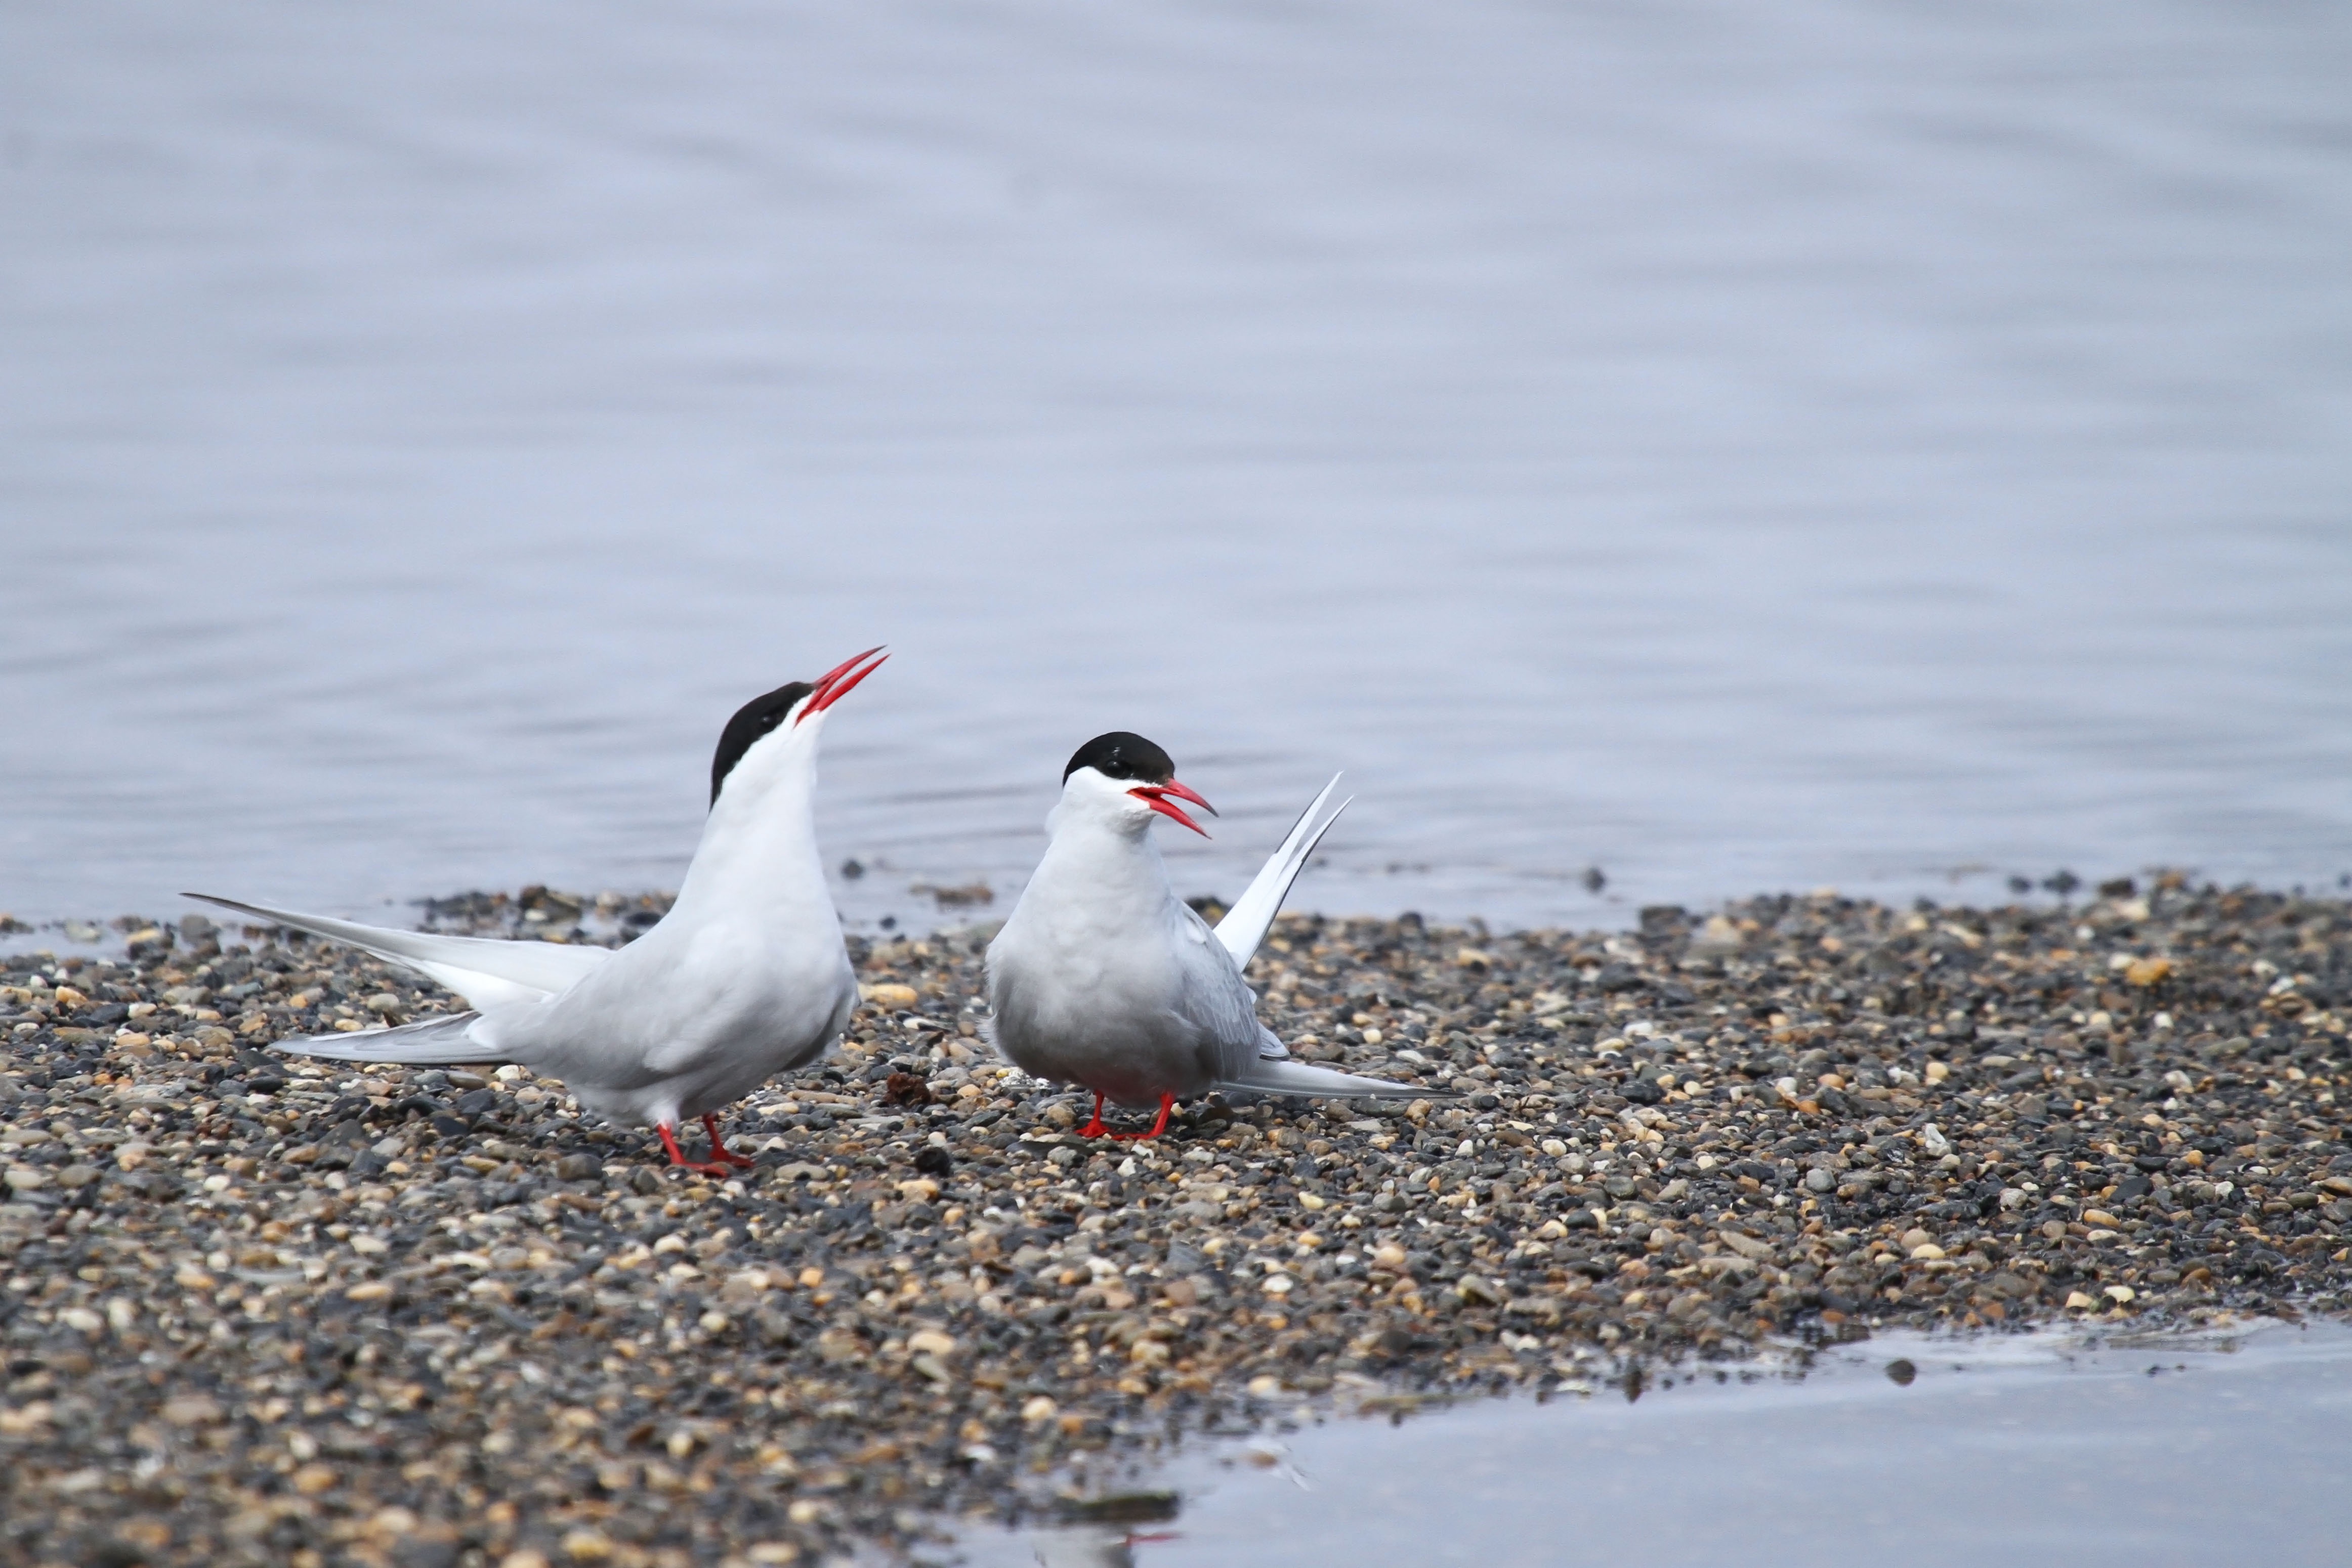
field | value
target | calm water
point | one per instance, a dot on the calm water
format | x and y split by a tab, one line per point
2158	1453
1737	447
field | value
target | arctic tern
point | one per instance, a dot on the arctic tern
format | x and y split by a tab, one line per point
745	977
1105	979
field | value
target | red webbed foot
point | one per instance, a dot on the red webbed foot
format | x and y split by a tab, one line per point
1095	1128
1167	1105
718	1149
678	1159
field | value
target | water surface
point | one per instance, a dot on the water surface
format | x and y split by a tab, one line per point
2135	1451
1854	443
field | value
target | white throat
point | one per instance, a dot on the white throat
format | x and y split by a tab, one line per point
1101	853
759	848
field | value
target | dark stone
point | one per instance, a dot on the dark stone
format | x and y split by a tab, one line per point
476	1103
906	1090
579	1167
934	1160
1124	1508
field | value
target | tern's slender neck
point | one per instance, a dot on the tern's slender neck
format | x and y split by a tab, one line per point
758	853
1114	856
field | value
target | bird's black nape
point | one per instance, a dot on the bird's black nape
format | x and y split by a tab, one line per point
1123	754
753	720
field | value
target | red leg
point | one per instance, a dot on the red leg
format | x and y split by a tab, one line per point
1095	1128
1167	1105
669	1142
718	1149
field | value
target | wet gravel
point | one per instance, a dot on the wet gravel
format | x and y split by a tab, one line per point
257	1309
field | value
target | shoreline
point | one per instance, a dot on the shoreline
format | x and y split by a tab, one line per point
271	1308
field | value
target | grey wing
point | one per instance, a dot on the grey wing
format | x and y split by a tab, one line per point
1217	1001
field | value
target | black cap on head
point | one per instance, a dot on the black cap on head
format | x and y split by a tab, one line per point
755	719
1122	754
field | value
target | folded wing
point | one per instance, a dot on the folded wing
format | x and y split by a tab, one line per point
1269	1075
1216	1001
486	971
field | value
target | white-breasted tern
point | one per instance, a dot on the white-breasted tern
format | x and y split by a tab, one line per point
746	976
1103	977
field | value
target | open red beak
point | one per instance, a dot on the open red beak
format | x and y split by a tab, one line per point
1156	797
840	681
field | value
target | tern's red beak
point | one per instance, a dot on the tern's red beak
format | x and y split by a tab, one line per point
1156	797
840	681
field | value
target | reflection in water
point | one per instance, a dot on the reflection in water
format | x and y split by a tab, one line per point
1093	1546
1104	1531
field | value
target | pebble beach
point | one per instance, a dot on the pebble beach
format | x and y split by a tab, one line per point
258	1309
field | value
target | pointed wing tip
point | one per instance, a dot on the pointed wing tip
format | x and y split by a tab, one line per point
224	903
